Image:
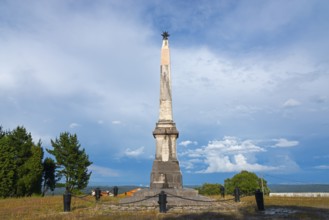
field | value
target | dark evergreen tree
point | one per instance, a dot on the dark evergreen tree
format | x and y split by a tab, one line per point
22	142
72	162
20	163
7	167
2	132
248	183
49	179
34	168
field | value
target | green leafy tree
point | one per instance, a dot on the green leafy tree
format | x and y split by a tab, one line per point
48	174
7	167
72	161
248	183
209	189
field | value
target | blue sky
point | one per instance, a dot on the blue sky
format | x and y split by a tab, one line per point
249	80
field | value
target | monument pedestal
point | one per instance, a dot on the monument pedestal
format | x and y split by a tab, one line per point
175	197
166	174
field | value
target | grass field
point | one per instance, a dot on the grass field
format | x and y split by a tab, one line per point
86	208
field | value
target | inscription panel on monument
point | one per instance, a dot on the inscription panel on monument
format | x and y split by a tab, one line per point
165	150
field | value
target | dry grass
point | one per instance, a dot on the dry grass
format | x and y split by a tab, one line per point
316	202
48	207
87	208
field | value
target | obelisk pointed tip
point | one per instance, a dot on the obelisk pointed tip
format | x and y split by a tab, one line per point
165	35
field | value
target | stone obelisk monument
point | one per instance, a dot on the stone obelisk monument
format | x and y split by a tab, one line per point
166	175
165	171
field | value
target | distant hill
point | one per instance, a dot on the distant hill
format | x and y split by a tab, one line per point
281	188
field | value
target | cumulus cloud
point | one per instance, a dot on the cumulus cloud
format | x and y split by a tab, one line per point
282	142
134	152
116	122
187	142
234	164
291	103
227	155
102	171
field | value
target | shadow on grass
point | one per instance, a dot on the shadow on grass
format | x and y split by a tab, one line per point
271	212
203	216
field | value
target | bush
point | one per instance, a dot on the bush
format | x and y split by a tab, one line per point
248	183
209	189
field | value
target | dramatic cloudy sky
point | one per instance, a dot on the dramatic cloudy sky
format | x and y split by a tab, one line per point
250	83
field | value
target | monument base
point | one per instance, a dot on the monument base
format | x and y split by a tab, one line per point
166	174
175	197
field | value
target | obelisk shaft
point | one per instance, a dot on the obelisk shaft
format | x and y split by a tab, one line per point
165	84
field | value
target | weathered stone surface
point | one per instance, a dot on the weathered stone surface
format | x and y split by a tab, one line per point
166	174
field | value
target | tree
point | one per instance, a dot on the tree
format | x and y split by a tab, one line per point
20	163
209	189
22	143
72	162
247	182
2	133
34	168
48	175
7	168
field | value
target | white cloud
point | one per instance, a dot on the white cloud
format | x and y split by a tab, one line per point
102	171
134	152
74	125
322	167
291	103
227	155
187	142
116	122
232	145
235	164
282	142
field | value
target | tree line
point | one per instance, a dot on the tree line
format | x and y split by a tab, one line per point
24	171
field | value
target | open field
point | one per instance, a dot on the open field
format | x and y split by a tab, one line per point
86	208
